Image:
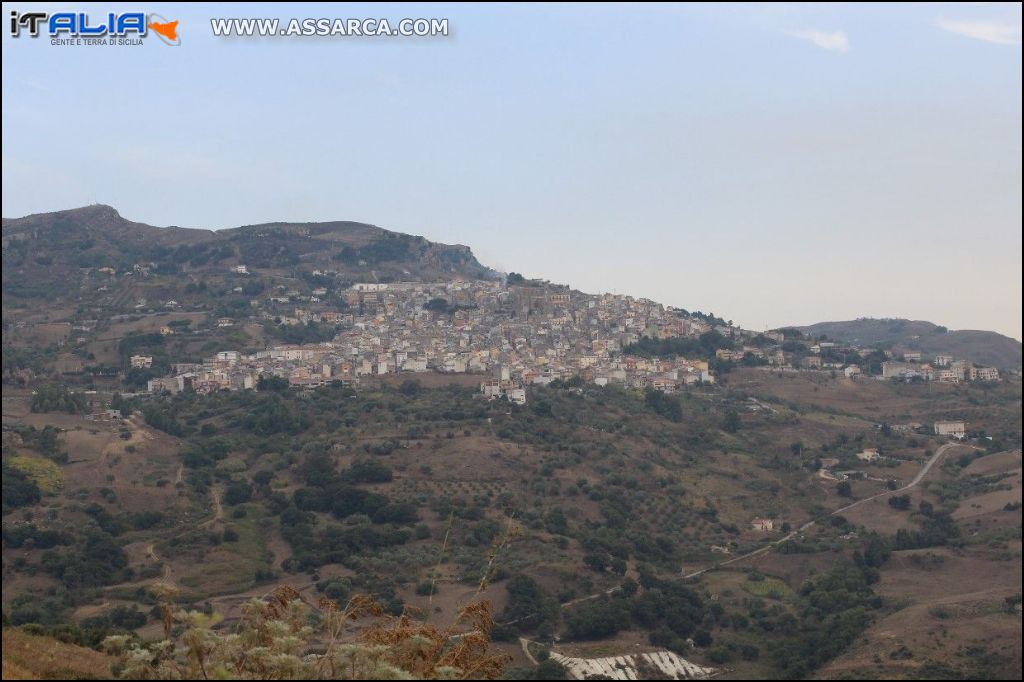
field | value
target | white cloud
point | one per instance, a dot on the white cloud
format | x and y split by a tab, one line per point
827	40
1000	32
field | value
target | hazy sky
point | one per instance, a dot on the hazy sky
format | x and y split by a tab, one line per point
772	164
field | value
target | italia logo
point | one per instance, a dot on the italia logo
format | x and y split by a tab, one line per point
80	25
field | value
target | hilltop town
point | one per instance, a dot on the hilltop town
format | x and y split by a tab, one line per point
517	334
522	334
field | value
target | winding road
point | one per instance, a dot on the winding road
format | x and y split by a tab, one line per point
166	575
525	644
932	461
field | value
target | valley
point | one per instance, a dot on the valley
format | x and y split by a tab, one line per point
574	507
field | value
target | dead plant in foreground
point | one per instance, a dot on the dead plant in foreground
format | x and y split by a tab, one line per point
282	636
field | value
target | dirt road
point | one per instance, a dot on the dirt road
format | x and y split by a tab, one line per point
932	461
218	508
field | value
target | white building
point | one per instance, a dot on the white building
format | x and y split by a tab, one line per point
903	370
168	384
868	455
414	365
987	374
953	429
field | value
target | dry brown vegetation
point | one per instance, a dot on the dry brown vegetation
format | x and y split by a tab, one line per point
949	615
275	639
33	657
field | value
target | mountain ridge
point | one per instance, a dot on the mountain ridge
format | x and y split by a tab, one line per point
41	251
901	334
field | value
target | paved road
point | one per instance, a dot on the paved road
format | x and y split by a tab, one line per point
767	548
917	479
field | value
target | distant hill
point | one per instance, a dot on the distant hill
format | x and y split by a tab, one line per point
982	347
46	254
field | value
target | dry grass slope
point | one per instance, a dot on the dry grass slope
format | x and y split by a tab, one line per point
30	657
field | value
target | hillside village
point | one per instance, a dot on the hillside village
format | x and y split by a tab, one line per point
943	368
729	476
518	334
